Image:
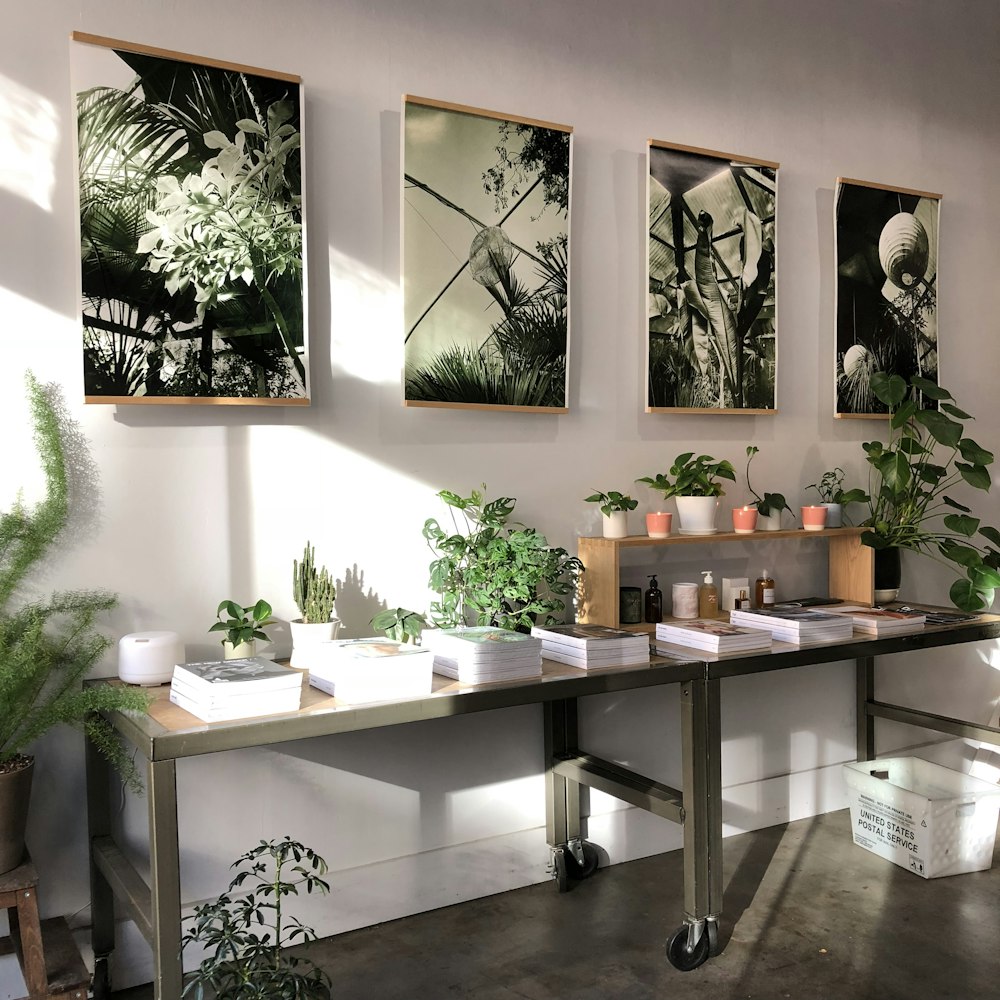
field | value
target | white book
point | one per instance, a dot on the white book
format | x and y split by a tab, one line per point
241	710
714	635
245	700
626	659
232	676
877	621
371	669
471	673
588	637
480	643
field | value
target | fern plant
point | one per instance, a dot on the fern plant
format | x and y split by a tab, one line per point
48	646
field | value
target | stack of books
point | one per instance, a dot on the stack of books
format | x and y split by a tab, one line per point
223	690
877	622
713	635
483	653
592	645
371	669
798	627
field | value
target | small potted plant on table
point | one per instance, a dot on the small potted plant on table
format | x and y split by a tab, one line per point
243	627
834	497
314	593
770	505
696	488
615	507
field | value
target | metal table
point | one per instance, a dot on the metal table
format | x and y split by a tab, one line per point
168	733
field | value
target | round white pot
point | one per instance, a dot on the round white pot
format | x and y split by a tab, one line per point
834	514
615	524
240	651
307	634
770	523
697	514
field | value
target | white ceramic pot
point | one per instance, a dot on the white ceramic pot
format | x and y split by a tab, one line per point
770	523
306	635
240	651
697	514
615	524
834	514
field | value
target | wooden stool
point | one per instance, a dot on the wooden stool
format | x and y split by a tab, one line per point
49	958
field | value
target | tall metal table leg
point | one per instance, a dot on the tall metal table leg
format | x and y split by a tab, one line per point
165	880
562	795
865	667
102	898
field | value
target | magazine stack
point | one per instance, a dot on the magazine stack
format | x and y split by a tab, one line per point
713	635
592	645
483	653
797	626
223	690
372	669
878	622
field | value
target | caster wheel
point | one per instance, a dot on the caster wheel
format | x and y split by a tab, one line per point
677	950
590	862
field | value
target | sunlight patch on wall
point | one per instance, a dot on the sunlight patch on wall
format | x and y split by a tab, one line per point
29	131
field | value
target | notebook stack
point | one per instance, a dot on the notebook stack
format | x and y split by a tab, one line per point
483	653
798	627
877	622
372	669
714	636
592	645
223	690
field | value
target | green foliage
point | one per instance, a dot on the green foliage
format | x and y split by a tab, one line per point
612	500
831	489
926	455
48	646
692	477
243	624
400	624
245	934
495	570
313	589
524	151
769	503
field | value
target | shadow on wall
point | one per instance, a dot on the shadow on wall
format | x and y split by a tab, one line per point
355	607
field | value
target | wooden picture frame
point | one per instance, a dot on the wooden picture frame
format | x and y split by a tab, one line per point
190	185
485	206
886	255
711	326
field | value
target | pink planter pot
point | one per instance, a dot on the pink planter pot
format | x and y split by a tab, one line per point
814	518
744	520
658	523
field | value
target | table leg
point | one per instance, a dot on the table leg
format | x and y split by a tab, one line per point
562	795
165	881
102	898
865	667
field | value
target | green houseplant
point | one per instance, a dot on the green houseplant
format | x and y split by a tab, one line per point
926	455
243	627
615	507
47	645
314	592
245	935
834	497
770	505
400	624
495	570
694	481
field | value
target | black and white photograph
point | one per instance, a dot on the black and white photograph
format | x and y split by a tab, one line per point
886	253
191	228
711	320
485	260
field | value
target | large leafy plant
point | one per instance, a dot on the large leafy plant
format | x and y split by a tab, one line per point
692	477
928	453
494	570
246	935
49	645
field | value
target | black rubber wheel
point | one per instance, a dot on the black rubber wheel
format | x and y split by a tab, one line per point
712	933
559	869
590	861
678	954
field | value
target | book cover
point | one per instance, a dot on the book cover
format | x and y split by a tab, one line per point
231	696
585	636
257	672
480	642
229	713
374	648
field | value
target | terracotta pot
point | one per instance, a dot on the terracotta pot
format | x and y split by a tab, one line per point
658	523
15	793
744	520
814	517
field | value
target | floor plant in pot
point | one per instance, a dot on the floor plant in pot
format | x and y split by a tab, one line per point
770	505
694	483
927	455
314	592
242	628
48	645
615	507
492	570
246	935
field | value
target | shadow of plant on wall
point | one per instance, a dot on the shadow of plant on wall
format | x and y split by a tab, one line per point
355	606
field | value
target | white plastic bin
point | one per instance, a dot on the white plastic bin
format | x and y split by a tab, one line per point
923	817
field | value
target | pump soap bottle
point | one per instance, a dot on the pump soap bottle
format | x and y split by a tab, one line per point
654	602
764	591
708	597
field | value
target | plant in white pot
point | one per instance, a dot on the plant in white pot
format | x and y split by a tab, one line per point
615	507
696	488
243	627
834	497
770	505
314	592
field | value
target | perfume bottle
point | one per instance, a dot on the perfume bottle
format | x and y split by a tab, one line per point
764	591
654	602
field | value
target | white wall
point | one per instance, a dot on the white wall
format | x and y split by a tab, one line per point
198	504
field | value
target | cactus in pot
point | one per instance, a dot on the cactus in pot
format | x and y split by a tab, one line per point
314	592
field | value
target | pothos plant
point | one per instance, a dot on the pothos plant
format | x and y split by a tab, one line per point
494	570
612	501
246	936
692	477
243	624
769	503
928	454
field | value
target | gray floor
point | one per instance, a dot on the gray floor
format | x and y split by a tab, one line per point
807	916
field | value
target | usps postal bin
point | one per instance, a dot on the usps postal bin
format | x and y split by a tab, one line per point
921	816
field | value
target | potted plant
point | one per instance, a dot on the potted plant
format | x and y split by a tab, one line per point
314	593
243	627
615	507
909	507
400	624
770	505
696	488
834	497
493	570
246	937
47	645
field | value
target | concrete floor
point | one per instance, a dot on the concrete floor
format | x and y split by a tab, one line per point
807	915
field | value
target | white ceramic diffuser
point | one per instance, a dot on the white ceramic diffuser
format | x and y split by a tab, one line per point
148	658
